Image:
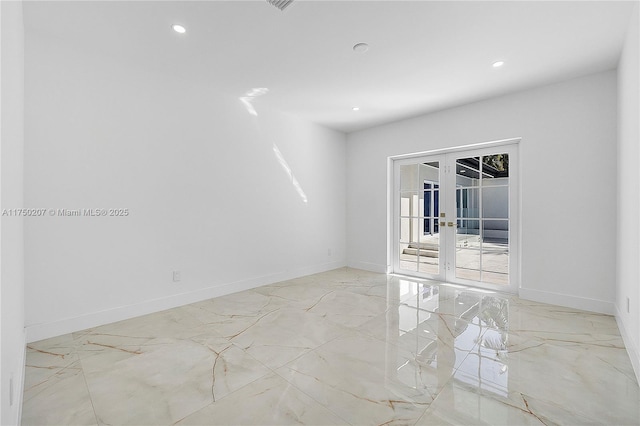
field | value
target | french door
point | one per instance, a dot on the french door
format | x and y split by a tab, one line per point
455	217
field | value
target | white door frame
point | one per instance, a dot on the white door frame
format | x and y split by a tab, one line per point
448	206
395	249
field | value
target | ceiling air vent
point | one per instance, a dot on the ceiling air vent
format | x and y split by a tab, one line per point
280	4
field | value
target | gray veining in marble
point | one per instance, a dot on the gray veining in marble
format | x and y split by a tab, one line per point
341	347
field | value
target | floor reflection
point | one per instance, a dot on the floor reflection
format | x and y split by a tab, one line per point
453	332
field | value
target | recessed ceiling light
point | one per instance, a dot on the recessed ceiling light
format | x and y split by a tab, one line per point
361	47
356	108
179	28
498	64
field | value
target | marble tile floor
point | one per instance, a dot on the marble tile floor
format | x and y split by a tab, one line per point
337	348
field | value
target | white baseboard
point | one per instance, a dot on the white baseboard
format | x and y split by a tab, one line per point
632	349
576	302
20	387
11	412
368	266
37	332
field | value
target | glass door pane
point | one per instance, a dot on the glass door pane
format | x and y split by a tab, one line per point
419	208
482	218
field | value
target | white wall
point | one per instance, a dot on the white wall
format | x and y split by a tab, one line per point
12	345
628	232
206	192
568	191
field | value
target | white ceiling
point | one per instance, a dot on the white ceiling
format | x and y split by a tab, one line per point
424	55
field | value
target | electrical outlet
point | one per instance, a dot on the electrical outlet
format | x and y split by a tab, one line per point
177	276
628	305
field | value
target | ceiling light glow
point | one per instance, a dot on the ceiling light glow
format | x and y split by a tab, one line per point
179	28
498	64
356	108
